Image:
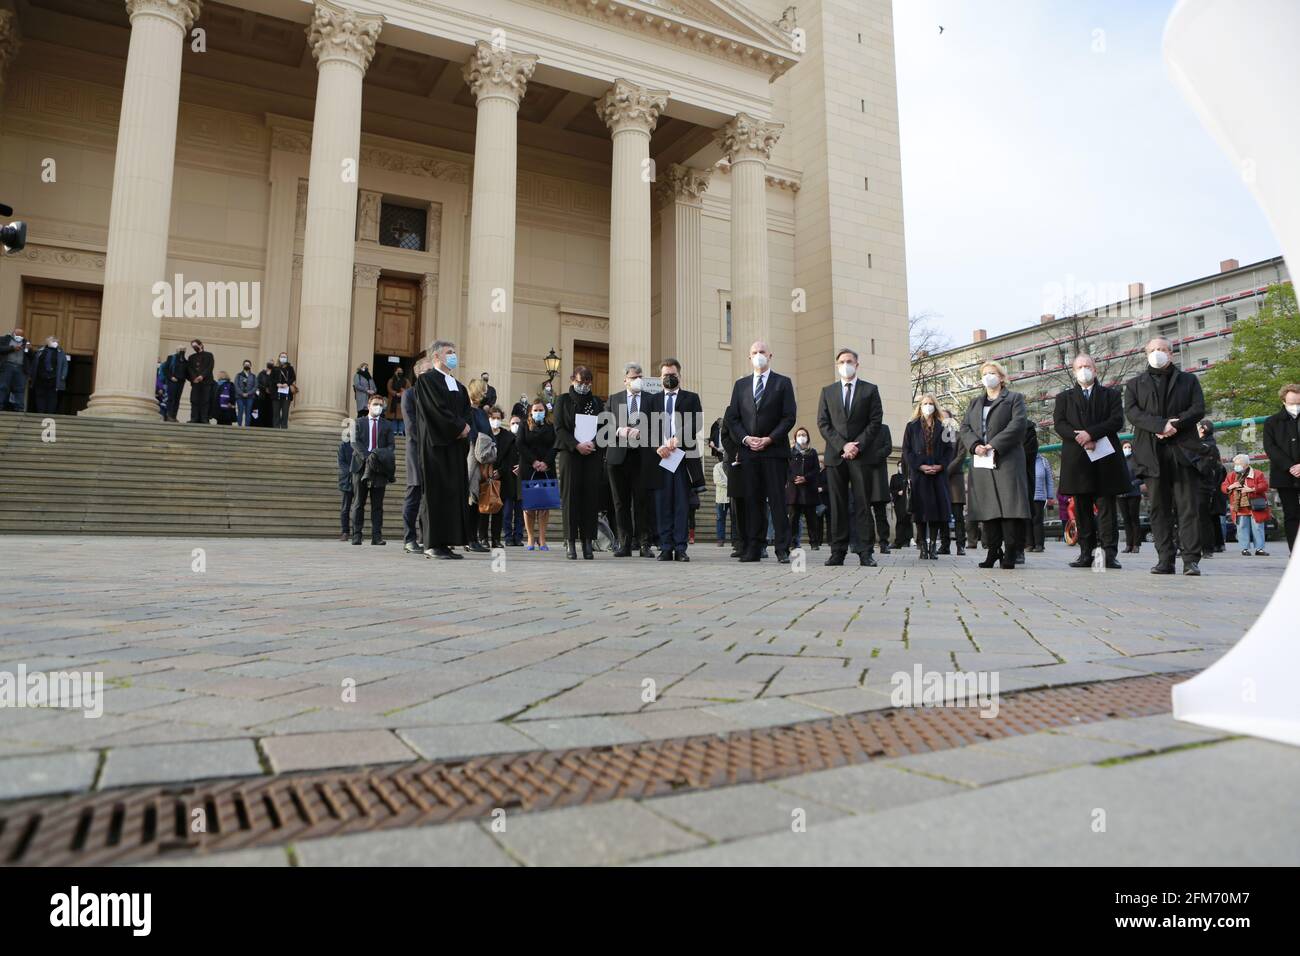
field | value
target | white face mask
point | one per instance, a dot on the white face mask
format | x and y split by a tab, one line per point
1239	468
1084	376
496	424
1128	452
1293	410
376	410
927	410
801	440
514	427
1158	359
54	345
991	380
759	360
634	385
848	370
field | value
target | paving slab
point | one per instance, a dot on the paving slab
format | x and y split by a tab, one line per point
168	762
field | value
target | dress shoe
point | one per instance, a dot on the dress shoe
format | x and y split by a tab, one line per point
624	551
783	557
443	553
665	555
496	545
587	554
571	551
884	547
1008	564
646	552
681	556
411	548
1246	552
1163	569
835	560
748	556
345	536
991	558
866	560
961	551
735	553
476	547
1113	565
946	549
356	540
1082	561
378	541
1020	557
1261	554
1192	569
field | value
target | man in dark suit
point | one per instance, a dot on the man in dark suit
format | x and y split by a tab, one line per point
373	467
676	417
1164	404
848	416
411	505
1282	445
760	416
626	458
1085	415
198	371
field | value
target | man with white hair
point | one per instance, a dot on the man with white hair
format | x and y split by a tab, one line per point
1164	405
1085	415
443	410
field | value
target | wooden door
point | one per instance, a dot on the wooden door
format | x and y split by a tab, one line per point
397	317
72	317
596	358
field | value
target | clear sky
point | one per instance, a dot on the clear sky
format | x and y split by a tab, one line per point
1045	151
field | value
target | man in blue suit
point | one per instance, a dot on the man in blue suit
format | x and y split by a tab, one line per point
374	466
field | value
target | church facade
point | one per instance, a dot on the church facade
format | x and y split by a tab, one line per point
344	182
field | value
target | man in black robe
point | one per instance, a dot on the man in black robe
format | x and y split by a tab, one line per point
442	405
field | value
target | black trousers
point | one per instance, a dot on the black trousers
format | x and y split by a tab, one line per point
1100	529
174	390
489	527
902	528
810	522
1131	507
360	491
631	503
580	478
1178	487
281	411
345	513
45	398
1290	498
958	526
1211	526
739	521
200	401
879	512
1005	535
764	493
411	514
1037	525
839	479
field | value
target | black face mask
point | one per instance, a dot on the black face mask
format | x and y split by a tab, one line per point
248	368
671	382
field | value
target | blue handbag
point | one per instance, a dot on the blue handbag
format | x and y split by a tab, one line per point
540	494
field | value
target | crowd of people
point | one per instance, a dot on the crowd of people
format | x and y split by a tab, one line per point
631	464
251	398
27	367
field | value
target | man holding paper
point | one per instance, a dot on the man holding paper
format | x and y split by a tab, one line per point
676	415
1088	418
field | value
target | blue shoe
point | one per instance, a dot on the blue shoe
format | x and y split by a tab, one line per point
529	548
543	548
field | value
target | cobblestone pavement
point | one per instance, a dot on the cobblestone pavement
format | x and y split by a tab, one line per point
230	657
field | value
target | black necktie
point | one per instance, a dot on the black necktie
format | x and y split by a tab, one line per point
671	398
848	397
758	391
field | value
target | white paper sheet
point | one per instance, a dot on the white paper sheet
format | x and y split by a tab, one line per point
584	428
673	460
1104	448
985	461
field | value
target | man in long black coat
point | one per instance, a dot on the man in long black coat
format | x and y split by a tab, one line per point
1282	444
442	405
1084	415
1164	405
759	417
198	370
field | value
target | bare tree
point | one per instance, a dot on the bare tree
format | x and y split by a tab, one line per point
926	342
1079	331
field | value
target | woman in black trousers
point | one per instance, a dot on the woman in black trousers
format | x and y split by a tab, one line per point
1130	506
536	460
928	452
801	496
993	429
581	464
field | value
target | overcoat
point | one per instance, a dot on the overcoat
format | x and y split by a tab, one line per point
1001	491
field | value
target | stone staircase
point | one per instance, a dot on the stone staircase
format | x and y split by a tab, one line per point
82	475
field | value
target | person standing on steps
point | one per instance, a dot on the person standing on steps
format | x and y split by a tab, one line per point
198	371
284	385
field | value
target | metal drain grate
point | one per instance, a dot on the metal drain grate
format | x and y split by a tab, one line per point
145	823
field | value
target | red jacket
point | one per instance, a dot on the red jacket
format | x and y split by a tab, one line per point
1241	488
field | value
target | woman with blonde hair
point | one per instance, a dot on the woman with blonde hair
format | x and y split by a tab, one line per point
993	431
927	455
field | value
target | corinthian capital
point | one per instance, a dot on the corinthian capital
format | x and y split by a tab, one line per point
748	138
10	41
181	12
681	184
339	33
628	106
498	72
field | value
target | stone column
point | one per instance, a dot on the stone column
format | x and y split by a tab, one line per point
430	328
498	79
365	306
679	190
631	113
140	210
748	144
343	41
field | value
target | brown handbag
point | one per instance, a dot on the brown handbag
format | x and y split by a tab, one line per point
489	496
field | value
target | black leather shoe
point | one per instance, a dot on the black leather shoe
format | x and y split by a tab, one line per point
445	554
681	556
1113	565
624	552
1020	557
961	551
571	551
1163	569
884	547
476	548
746	558
735	553
665	555
835	560
411	548
587	553
1082	561
356	540
1192	569
866	560
380	542
783	558
991	558
646	552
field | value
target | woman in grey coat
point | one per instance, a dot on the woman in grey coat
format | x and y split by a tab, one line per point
363	386
994	427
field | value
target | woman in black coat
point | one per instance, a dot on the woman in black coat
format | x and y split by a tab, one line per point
536	460
582	470
1213	502
801	489
928	455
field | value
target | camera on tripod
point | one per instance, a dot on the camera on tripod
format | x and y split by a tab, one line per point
13	235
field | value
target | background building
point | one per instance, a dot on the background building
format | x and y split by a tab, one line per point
1196	316
617	181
